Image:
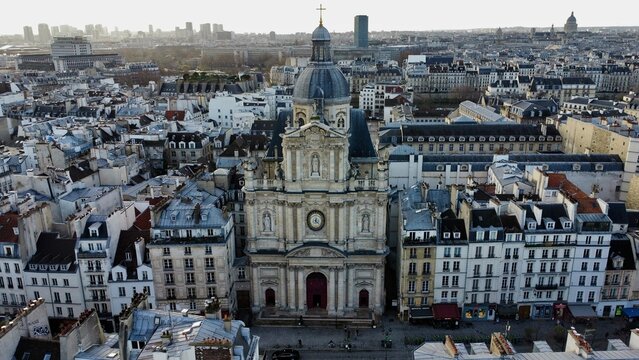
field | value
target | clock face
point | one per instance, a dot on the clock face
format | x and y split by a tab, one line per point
315	220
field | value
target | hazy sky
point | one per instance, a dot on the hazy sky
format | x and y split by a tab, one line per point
290	16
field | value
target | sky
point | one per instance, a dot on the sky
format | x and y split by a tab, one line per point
291	16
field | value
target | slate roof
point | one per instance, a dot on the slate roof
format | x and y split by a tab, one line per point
621	248
36	349
80	171
126	243
360	144
7	222
52	249
617	213
485	218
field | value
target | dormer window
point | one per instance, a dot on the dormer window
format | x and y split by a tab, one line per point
461	138
446	235
617	262
191	145
482	139
33	267
567	225
94	229
471	138
172	145
8	251
174	216
532	225
442	139
550	225
456	235
127	256
409	139
204	216
182	145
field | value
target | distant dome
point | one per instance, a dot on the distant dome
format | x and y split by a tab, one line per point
571	24
572	18
321	34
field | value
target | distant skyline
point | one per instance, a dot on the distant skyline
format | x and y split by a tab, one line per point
290	16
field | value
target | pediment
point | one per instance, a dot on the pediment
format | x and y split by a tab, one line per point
315	129
306	251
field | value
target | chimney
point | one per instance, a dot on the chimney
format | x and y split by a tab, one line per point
634	339
139	250
227	323
577	344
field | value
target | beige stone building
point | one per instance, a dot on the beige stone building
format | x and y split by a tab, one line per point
316	204
615	136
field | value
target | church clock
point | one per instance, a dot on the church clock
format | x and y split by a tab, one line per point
315	220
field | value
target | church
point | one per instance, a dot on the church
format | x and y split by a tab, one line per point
316	204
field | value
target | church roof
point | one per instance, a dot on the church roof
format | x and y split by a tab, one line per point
360	144
321	34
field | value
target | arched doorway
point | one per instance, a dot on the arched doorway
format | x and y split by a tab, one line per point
363	298
316	286
269	295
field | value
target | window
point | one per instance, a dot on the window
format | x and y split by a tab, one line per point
488	284
566	253
595	266
208	250
456	265
564	267
584	266
70	312
413	253
586	253
190	292
411	286
444	294
447	249
446	266
241	273
529	268
598	253
531	254
591	296
170	293
445	280
491	251
543	267
426	252
582	280
455	281
168	279
544	254
477	252
168	264
412	268
555	253
190	278
426	268
119	276
526	295
56	297
210	292
188	263
187	250
166	251
489	269
593	281
425	286
121	291
553	266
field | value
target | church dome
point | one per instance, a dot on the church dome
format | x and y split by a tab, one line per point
572	18
321	34
321	79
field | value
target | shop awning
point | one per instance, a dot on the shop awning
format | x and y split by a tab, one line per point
630	312
582	311
421	313
507	309
445	312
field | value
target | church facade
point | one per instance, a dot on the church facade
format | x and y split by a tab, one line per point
316	205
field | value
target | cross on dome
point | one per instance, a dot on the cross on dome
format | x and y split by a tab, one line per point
320	10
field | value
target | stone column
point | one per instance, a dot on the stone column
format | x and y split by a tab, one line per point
341	290
256	290
290	230
331	290
299	169
331	223
280	299
291	288
378	286
301	290
351	287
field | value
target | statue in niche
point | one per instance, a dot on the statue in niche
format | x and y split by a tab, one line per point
266	222
315	165
366	223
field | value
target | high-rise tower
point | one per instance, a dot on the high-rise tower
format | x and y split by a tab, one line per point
361	31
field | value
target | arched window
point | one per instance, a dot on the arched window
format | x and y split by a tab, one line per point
182	145
300	122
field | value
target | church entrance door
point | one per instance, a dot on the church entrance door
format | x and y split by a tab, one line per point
363	298
316	286
269	295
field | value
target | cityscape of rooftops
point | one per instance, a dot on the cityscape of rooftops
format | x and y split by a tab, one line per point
289	180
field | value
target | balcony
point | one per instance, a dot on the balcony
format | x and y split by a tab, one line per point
546	287
515	256
507	257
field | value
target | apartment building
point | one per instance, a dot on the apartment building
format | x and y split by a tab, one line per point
192	249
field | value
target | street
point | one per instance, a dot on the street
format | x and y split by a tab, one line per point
367	343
